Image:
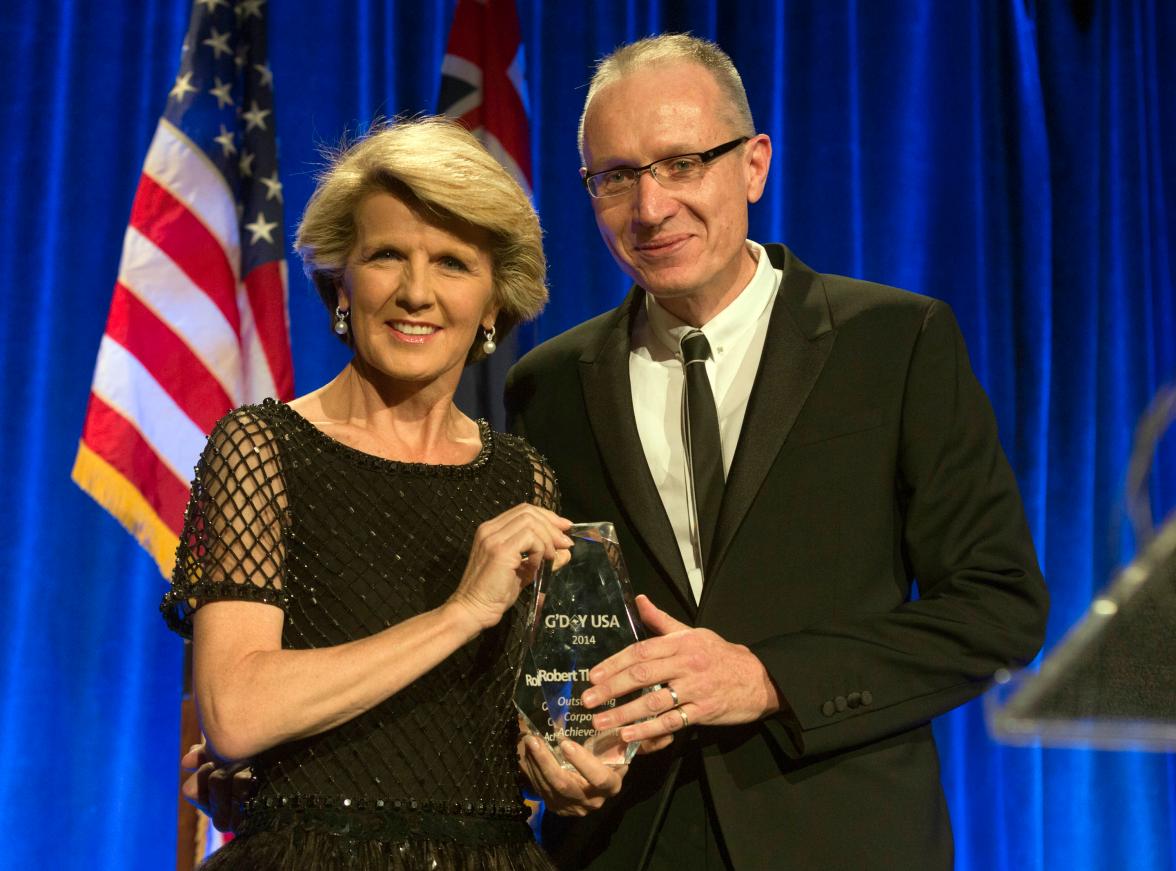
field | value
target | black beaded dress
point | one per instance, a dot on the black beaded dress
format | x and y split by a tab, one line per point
347	544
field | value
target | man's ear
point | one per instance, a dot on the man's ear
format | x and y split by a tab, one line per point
758	159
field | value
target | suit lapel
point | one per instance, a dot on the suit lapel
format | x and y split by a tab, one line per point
608	397
800	336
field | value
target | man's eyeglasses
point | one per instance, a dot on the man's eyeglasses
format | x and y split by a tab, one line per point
669	172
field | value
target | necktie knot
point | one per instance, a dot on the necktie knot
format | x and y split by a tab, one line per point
695	347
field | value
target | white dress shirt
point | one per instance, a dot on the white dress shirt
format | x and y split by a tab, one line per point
736	336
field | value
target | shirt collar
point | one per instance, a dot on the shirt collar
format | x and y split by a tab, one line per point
726	330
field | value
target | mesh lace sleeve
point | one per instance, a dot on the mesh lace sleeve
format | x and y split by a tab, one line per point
546	493
232	545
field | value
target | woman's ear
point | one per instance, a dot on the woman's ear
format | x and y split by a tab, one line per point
490	319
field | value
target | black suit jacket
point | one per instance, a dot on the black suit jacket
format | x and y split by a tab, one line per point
868	461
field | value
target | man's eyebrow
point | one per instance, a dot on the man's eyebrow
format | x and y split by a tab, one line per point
669	151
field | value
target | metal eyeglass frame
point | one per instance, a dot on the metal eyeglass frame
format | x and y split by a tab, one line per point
704	157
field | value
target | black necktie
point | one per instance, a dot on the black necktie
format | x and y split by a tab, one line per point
703	448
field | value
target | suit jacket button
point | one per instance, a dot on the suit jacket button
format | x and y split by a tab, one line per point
867	697
828	709
854	700
840	703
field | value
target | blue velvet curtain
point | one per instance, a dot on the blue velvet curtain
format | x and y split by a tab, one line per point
1016	159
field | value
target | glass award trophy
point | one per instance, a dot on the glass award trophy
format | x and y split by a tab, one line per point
582	614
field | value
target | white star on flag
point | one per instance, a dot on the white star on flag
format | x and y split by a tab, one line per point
225	141
182	86
261	229
219	42
273	187
255	117
221	92
267	76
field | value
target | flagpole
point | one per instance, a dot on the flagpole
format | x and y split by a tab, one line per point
189	846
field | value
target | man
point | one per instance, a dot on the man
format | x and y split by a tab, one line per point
859	457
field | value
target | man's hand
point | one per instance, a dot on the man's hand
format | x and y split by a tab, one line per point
569	793
220	791
705	681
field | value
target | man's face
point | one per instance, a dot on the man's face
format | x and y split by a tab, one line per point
684	245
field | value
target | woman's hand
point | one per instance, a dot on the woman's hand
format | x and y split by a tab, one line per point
504	559
569	793
220	791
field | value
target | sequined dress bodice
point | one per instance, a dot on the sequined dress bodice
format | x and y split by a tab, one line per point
348	544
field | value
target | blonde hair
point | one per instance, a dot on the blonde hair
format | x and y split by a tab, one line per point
670	48
438	164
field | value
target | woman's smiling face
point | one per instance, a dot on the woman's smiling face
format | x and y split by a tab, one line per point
419	286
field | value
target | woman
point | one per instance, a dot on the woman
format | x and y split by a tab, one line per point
351	563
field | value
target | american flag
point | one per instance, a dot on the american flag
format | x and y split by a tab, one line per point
198	321
483	86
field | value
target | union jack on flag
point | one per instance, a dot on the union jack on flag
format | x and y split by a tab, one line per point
483	82
198	321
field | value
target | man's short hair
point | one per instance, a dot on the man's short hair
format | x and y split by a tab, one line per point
674	48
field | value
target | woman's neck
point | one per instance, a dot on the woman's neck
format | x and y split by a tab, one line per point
409	423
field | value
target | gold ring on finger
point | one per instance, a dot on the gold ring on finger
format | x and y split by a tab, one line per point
685	719
673	696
